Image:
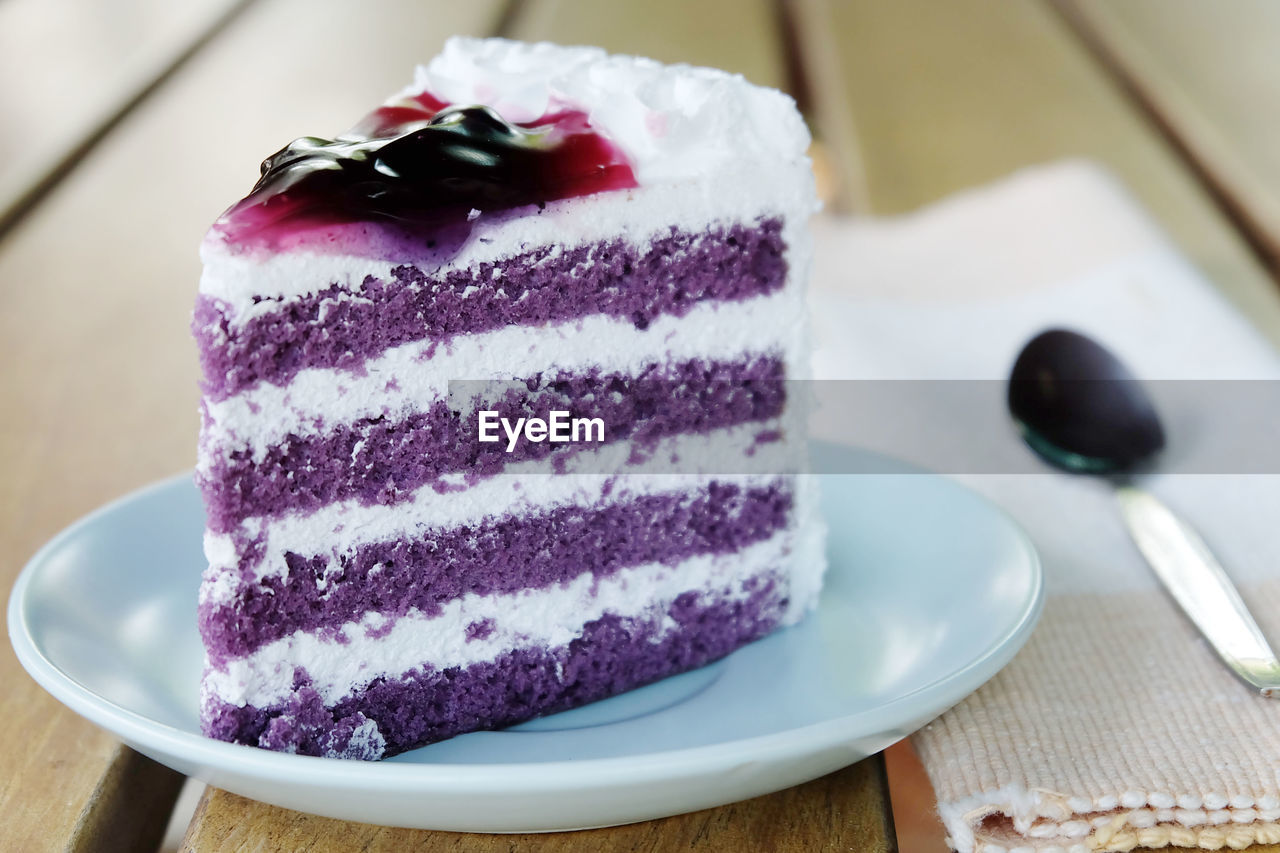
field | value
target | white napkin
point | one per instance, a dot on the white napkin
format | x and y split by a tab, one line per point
1116	727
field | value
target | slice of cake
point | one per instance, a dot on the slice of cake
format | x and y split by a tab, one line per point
398	554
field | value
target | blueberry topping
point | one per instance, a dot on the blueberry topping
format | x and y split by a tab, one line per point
424	165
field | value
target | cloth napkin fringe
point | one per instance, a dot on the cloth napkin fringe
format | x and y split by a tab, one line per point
1049	818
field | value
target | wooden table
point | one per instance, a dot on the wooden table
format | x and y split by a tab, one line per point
130	125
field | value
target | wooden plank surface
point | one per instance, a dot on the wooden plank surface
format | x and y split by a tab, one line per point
940	97
915	809
842	811
69	68
99	386
1210	73
742	36
128	810
916	99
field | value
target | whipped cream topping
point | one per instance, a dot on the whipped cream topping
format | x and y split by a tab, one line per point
672	121
375	646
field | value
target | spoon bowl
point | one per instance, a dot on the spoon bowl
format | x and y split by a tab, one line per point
1079	407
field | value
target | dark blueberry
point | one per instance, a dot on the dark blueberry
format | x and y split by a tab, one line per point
429	168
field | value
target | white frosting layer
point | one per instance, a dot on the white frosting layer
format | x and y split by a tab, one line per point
743	193
265	415
674	122
807	561
523	489
545	618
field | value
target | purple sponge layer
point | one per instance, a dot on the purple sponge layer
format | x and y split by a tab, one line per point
546	285
612	655
500	557
379	461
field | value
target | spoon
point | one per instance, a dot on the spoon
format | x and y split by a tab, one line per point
1081	410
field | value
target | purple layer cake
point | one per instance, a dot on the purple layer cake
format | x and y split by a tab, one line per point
626	239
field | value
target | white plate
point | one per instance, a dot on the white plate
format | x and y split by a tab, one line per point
931	590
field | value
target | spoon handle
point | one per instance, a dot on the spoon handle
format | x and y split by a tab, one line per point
1199	584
